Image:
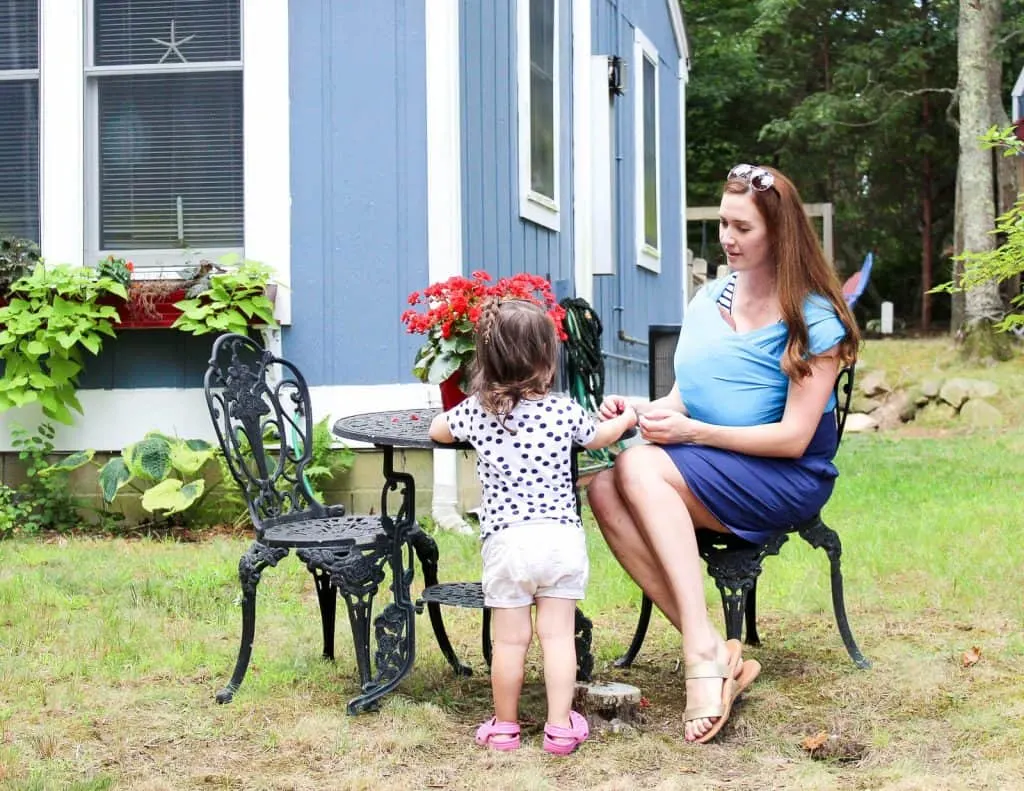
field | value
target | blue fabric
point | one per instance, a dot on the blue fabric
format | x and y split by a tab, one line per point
736	379
755	496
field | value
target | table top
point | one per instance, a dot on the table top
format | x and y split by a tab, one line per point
399	428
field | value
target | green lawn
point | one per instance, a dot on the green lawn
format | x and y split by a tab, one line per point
111	650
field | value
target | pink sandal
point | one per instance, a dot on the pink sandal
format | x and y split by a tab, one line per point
487	731
576	733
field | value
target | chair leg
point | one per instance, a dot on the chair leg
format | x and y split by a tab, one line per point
584	640
733	604
638	635
751	616
426	551
820	535
485	637
250	567
327	596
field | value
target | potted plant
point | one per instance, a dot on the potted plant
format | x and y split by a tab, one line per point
56	314
18	257
228	298
447	314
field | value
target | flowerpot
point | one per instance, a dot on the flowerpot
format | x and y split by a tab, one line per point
451	393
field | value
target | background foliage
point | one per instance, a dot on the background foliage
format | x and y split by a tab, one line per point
855	103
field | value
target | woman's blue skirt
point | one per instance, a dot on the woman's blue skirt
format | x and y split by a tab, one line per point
756	497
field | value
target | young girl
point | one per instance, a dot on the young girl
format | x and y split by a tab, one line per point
534	551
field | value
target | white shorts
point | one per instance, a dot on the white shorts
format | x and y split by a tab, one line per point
534	560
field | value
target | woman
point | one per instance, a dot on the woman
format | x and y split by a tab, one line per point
744	442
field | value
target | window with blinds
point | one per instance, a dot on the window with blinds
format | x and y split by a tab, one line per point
19	119
168	106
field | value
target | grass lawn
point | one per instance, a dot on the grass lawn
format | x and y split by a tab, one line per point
111	651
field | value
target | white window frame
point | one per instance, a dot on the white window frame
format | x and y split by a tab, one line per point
156	260
541	209
647	256
69	188
25	75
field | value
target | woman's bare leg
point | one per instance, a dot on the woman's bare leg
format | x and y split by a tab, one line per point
651	525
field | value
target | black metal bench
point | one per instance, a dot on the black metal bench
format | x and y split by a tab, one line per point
733	563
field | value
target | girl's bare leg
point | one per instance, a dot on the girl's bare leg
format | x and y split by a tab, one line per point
556	628
513	632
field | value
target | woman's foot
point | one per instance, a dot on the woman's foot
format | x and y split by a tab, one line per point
710	681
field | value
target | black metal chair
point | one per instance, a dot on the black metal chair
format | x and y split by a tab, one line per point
733	563
261	411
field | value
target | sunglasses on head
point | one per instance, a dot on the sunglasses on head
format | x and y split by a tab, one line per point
753	176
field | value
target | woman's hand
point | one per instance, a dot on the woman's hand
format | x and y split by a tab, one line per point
668	427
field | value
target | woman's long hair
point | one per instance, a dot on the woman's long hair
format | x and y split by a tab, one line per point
516	354
801	269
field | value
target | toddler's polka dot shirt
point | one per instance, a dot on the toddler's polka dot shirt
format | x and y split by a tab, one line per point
525	470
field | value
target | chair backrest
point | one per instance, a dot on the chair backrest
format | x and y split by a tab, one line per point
661	350
261	412
844	395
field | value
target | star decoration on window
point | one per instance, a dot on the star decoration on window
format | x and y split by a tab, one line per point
173	44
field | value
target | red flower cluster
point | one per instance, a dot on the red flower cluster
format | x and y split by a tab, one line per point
451	310
453	306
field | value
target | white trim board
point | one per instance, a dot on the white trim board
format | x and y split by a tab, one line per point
537	208
647	257
115	418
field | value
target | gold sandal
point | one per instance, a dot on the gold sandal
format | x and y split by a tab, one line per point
736	675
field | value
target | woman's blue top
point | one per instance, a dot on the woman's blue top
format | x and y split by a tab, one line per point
730	378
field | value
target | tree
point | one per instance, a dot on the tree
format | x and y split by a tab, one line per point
977	34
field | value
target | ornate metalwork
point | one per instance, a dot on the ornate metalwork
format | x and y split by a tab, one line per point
584	638
261	412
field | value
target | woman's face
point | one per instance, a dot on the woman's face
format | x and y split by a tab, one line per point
742	232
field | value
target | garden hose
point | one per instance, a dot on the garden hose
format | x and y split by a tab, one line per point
584	369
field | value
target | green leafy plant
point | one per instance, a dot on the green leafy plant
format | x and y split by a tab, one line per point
166	471
53	318
18	257
229	300
44	501
1007	259
119	269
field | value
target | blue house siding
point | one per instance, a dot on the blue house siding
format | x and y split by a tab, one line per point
494	236
148	358
359	187
634	297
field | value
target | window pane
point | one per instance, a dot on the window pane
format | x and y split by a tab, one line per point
650	156
542	97
166	31
170	143
19	34
19	159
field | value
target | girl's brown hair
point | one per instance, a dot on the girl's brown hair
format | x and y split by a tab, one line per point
516	354
801	269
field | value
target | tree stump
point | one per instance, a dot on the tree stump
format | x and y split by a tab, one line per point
613	706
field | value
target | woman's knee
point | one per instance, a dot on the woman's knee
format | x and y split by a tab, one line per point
602	493
638	468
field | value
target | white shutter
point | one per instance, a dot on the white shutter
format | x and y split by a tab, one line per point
19	118
169	113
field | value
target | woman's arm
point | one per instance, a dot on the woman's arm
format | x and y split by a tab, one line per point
789	438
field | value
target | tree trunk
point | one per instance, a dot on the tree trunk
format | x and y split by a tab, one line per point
976	34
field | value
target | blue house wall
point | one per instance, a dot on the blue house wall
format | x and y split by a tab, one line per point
359	187
494	236
634	298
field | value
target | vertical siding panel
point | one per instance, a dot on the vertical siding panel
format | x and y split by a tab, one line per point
358	187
